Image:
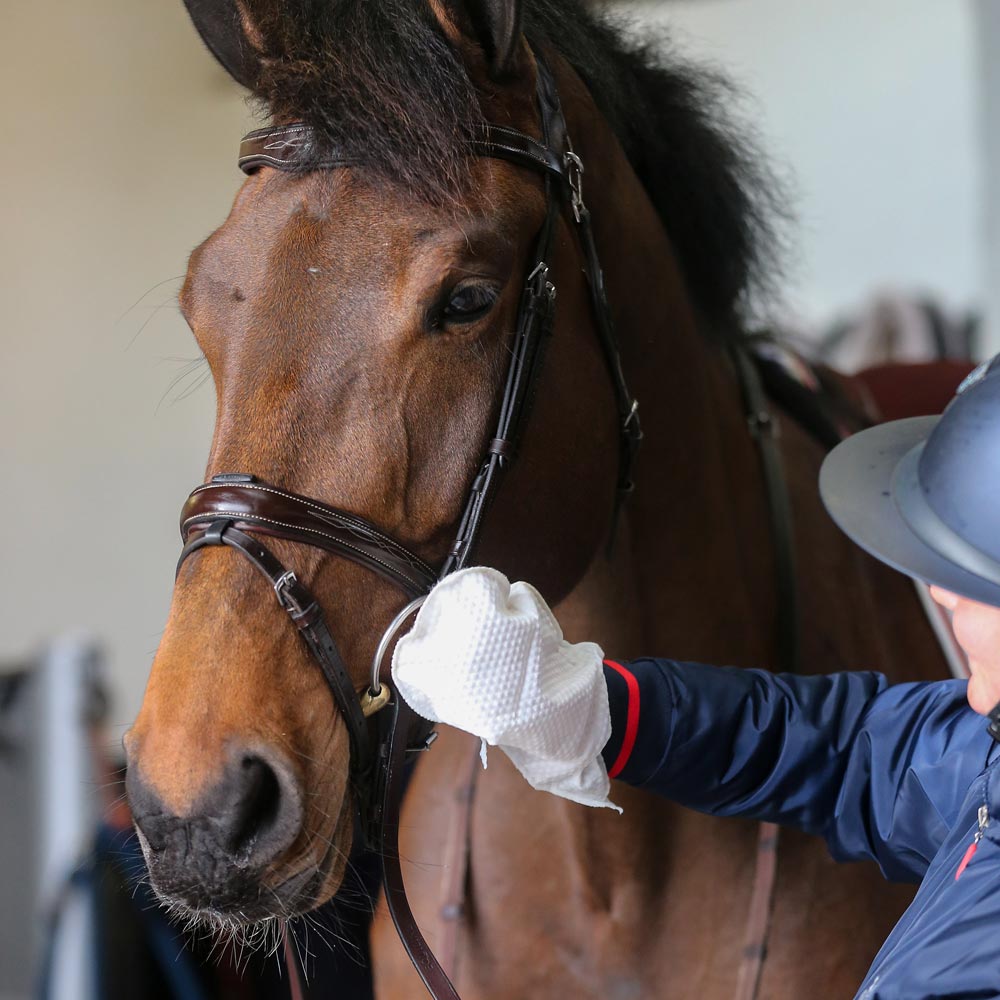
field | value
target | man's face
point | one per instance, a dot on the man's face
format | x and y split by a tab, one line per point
977	628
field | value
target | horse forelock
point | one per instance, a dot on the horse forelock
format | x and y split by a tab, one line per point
383	83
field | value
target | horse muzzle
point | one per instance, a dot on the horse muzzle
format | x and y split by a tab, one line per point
220	853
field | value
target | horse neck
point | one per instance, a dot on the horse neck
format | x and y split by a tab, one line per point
692	547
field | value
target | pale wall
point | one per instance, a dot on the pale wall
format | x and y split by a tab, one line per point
873	107
119	157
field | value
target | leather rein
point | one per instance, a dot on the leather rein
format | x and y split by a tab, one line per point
235	509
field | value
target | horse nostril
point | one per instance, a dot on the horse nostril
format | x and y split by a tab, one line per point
257	806
245	819
255	810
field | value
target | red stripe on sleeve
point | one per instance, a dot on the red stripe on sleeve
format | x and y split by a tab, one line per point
631	719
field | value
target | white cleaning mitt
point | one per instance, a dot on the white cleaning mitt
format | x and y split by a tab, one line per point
490	658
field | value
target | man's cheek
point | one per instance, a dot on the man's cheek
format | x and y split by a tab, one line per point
977	628
975	695
984	686
968	632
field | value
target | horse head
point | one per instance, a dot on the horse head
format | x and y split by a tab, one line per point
357	320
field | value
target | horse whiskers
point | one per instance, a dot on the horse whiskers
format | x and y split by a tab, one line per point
323	931
337	851
304	755
236	931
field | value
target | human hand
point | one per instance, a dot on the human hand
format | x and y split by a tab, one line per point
489	657
977	629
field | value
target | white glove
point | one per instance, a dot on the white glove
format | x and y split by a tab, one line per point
490	658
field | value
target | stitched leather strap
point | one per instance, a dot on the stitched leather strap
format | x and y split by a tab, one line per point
763	429
630	427
285	147
294	147
534	328
267	510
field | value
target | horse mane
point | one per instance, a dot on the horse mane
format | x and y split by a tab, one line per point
380	81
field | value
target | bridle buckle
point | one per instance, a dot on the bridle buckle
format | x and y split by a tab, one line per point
574	177
631	422
287	580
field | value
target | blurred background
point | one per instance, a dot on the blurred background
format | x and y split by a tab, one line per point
121	136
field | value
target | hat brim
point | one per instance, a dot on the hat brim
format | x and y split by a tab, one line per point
856	484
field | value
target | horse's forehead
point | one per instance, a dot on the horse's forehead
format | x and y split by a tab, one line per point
333	215
284	237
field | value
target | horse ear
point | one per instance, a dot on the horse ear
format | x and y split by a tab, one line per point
223	28
495	25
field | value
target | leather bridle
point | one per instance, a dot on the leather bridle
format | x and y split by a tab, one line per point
235	509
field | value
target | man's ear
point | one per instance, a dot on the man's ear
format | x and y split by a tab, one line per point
223	28
493	25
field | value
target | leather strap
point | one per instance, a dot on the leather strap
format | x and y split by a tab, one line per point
759	917
285	147
305	612
764	431
267	510
294	147
457	856
629	425
534	328
503	143
401	722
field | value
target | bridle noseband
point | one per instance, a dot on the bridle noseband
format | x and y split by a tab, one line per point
234	509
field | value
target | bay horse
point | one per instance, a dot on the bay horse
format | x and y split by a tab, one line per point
357	323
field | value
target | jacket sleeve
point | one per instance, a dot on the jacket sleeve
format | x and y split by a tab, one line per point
880	772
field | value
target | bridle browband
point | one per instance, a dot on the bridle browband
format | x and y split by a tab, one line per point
234	509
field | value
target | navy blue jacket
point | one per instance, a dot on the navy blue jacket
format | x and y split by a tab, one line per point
899	775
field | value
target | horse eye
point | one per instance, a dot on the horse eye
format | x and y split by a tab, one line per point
468	302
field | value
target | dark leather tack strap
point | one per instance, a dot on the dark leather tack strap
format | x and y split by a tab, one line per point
304	611
764	431
504	143
403	720
267	510
285	147
215	529
294	147
501	447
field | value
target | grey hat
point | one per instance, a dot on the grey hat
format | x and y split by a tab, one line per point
923	494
